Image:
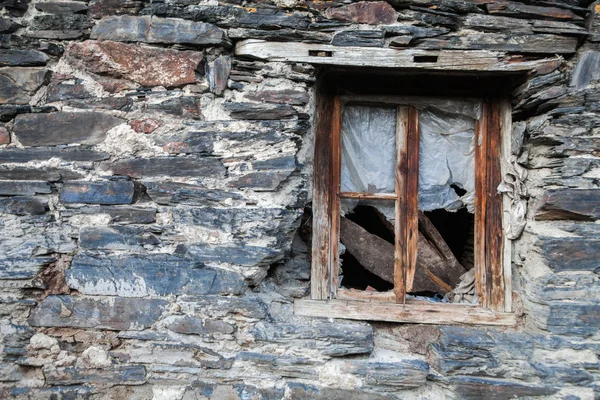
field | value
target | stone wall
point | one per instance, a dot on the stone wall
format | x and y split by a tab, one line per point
152	184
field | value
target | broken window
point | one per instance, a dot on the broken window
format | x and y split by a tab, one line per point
409	208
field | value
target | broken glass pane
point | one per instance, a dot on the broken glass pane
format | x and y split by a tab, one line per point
368	149
447	156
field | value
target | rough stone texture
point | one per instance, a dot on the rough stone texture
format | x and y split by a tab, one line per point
364	12
25	58
168	166
155	275
88	312
17	85
63	128
152	183
4	135
19	156
148	66
97	193
157	30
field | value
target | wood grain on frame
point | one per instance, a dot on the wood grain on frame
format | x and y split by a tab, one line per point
480	205
412	196
494	247
400	252
322	194
336	149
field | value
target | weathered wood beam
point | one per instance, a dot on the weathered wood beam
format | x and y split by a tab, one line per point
443	60
412	312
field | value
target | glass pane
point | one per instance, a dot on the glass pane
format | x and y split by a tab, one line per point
367	245
368	149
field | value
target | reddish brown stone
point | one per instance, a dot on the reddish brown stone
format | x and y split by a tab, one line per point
144	125
364	12
148	66
4	136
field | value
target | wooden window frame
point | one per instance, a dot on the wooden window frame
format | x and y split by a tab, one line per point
492	248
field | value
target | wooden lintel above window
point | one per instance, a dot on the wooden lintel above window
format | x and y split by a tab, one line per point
443	60
412	312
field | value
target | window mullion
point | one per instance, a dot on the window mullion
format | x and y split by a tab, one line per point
407	187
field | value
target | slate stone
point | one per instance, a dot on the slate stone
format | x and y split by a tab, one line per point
183	193
59	7
221	306
252	111
571	253
232	17
408	373
24	188
260	181
285	162
587	70
148	66
63	128
8	112
18	84
472	388
280	365
66	91
574	319
359	39
119	215
115	238
107	103
149	275
111	192
243	222
195	326
18	156
218	73
200	139
4	135
22	205
364	12
332	338
530	11
300	391
117	313
429	17
231	254
116	374
103	8
35	174
185	106
286	96
574	204
59	22
21	268
146	125
510	42
7	25
24	58
158	30
66	34
168	166
280	35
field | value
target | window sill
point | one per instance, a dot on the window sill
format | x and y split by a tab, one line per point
417	312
